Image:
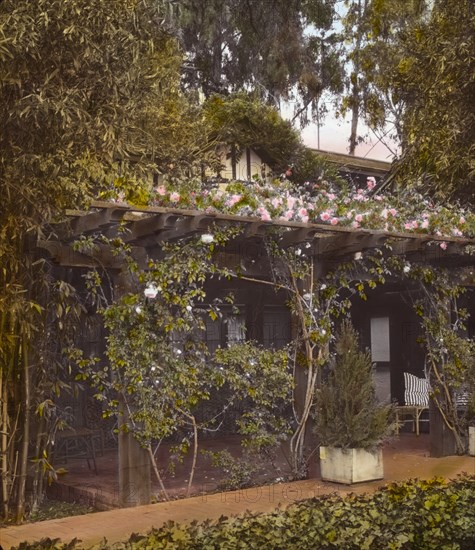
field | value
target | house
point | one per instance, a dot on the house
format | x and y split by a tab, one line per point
386	322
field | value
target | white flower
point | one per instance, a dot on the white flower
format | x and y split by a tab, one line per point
207	238
407	268
298	251
358	255
323	287
323	332
151	291
138	309
188	308
307	296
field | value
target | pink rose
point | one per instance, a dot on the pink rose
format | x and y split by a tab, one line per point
291	202
370	183
174	197
359	218
443	245
334	221
265	216
161	190
287	215
325	216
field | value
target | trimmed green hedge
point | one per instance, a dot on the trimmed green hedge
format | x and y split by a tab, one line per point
411	515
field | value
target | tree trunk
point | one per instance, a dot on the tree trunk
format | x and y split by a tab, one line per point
4	444
23	448
354	115
355	86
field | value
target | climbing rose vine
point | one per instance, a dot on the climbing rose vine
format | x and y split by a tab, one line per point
323	203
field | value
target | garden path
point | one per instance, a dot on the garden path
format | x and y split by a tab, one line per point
404	458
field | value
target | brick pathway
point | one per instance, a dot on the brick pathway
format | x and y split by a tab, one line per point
118	525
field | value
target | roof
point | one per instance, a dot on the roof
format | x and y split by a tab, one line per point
361	165
145	229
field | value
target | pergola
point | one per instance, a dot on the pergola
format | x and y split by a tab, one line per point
145	229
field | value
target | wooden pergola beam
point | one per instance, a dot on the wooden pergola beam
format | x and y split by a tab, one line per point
187	227
89	223
101	255
336	246
147	228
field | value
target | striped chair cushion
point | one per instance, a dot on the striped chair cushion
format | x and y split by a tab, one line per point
416	391
462	397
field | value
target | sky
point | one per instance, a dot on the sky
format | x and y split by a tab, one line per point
334	136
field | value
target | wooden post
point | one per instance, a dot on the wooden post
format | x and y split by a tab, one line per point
442	441
134	462
134	469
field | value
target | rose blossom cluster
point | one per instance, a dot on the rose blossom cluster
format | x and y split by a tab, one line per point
360	208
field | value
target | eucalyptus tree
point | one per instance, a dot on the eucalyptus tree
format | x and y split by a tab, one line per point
369	37
81	83
435	79
273	48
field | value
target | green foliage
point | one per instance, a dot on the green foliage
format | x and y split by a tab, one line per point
416	514
80	81
54	509
240	472
372	30
259	46
262	378
310	167
450	352
160	370
433	78
348	414
49	544
243	120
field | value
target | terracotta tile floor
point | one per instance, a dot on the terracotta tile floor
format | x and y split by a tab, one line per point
406	457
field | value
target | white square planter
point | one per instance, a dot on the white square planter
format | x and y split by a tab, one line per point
471	440
350	465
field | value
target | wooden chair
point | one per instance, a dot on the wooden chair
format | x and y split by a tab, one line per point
76	443
416	401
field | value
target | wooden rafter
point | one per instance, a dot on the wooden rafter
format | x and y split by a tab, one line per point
147	228
89	223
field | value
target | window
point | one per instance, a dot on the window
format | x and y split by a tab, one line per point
228	329
277	330
380	339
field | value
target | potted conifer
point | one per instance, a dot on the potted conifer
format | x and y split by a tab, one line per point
350	422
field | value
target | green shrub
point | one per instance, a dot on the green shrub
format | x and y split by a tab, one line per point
348	412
